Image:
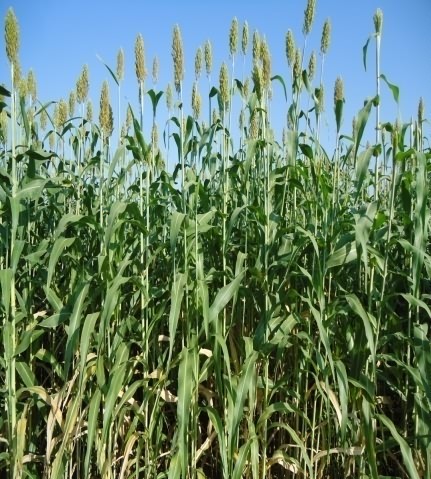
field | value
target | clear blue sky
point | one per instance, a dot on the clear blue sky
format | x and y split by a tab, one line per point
57	38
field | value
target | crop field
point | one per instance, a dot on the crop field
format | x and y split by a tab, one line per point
208	296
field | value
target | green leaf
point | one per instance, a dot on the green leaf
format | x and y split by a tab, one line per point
30	190
26	374
87	331
342	256
370	437
248	377
343	390
177	219
4	91
394	89
175	467
218	427
306	150
116	209
27	338
115	384
74	323
114	76
6	278
368	320
361	121
186	386
416	302
92	427
364	51
57	250
339	113
282	82
155	98
406	452
243	454
223	297
177	294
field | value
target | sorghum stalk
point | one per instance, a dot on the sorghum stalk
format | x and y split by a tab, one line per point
82	87
244	46
141	72
378	21
208	67
233	47
421	117
324	47
105	120
120	77
169	106
224	97
12	47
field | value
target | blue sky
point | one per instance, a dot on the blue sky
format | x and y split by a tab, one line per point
57	38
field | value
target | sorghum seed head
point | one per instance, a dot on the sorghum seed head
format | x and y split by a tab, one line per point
354	128
254	126
266	64
32	85
208	57
196	101
104	113
338	90
256	45
309	16
421	110
123	132
141	72
120	65
155	72
215	116
246	87
290	48
233	37
178	58
285	137
52	140
290	124
82	85
198	63
395	134
72	101
11	34
89	112
326	37
155	136
16	71
378	21
22	87
241	120
224	86
312	66
129	118
43	119
111	122
320	99
297	64
3	125
169	97
257	79
60	114
244	42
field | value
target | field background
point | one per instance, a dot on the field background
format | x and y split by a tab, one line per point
227	277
